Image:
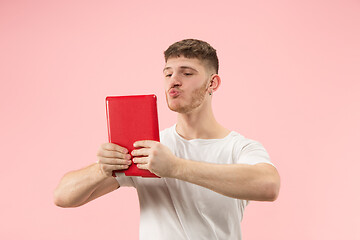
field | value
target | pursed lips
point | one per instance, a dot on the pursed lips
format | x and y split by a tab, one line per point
174	92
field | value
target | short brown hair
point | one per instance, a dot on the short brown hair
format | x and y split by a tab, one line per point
193	48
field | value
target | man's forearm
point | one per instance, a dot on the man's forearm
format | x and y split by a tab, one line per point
76	187
251	182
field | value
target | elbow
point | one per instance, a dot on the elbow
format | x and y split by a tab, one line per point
271	186
60	200
272	189
272	194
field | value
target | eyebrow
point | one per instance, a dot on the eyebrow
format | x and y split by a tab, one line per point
182	67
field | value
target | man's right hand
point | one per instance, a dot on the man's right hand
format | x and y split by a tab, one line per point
113	157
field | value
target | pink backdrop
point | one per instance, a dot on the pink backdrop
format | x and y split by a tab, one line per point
290	72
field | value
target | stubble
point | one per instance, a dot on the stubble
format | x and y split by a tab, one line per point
197	98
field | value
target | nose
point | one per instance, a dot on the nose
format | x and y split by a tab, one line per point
175	80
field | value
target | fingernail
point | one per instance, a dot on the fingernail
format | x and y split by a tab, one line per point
129	162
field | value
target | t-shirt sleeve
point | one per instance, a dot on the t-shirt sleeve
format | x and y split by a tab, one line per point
124	181
252	153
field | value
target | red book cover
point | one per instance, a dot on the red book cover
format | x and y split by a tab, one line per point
130	119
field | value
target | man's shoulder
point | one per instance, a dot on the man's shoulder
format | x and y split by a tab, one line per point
237	138
241	142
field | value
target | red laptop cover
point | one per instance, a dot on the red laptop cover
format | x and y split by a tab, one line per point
129	119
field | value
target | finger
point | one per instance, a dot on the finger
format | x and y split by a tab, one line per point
141	160
114	161
142	166
121	167
113	154
141	152
144	143
110	168
114	147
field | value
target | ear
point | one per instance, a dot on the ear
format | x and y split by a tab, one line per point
214	83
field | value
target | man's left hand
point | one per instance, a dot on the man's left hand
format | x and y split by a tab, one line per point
155	157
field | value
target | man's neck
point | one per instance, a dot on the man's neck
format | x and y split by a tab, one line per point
200	124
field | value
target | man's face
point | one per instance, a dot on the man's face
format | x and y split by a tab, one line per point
186	83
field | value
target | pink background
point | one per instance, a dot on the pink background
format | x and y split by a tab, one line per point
290	72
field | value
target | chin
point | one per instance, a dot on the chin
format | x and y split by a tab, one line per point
181	109
172	103
176	107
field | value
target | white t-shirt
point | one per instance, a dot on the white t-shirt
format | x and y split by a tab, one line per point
175	209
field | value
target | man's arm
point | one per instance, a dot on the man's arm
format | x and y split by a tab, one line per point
79	187
259	182
82	186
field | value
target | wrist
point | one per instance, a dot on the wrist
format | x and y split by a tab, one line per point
99	171
179	168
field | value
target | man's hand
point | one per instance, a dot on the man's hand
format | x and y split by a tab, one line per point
113	157
155	157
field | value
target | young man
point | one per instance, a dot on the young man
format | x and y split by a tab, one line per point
208	173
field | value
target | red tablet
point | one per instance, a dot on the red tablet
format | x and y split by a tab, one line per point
129	119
